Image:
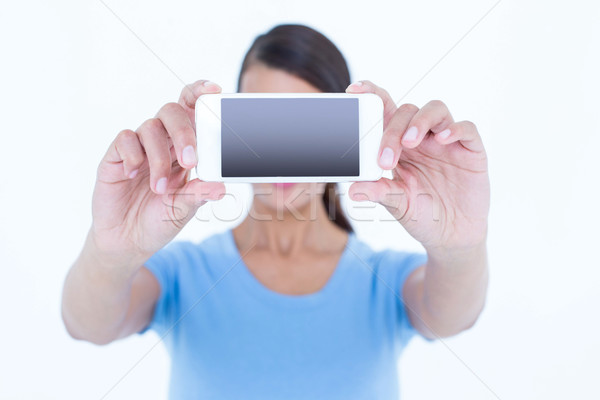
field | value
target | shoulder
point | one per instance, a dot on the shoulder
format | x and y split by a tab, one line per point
388	264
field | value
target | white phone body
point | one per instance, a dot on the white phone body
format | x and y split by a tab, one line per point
288	137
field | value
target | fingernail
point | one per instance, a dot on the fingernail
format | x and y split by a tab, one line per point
188	156
161	186
411	134
444	134
356	84
387	158
133	173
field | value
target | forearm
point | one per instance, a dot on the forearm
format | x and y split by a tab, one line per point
97	293
454	289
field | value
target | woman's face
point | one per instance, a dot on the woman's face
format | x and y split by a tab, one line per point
280	196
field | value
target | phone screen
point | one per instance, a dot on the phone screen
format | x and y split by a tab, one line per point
289	137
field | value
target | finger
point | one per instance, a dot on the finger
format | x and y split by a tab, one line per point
434	117
191	92
197	191
389	107
390	148
130	151
180	130
153	137
183	203
392	194
122	159
464	132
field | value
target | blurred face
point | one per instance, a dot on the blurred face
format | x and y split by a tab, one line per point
280	196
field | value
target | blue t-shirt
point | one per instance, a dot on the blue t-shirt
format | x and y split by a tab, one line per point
230	337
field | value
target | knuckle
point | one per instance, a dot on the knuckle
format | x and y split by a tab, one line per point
469	125
408	108
126	135
188	88
187	95
170	108
437	104
465	128
150	125
127	145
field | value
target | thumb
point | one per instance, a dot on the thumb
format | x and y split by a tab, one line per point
182	204
392	194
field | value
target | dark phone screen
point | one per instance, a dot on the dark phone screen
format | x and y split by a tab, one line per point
289	137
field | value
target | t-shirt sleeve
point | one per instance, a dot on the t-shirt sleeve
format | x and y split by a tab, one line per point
394	268
164	265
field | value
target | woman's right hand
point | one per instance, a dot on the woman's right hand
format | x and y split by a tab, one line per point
143	197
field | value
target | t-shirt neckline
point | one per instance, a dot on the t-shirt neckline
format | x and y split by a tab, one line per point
277	298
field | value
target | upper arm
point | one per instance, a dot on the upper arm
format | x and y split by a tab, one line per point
145	292
412	294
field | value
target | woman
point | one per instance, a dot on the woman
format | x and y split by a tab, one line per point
288	304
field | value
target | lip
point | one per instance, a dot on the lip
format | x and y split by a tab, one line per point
284	184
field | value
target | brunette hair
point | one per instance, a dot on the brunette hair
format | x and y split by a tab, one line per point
309	55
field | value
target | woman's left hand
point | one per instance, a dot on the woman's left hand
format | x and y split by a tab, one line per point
440	190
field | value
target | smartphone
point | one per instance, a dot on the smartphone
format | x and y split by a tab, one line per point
288	137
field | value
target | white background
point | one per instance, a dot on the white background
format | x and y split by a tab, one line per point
72	76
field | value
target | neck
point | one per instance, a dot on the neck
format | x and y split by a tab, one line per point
289	233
